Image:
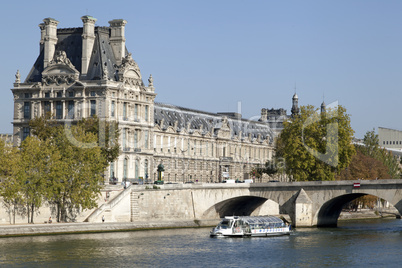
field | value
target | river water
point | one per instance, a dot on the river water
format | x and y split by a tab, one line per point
353	244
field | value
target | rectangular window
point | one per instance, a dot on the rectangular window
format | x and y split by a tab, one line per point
25	132
125	111
47	95
71	109
46	107
58	94
93	93
125	168
27	110
112	170
146	168
136	112
28	95
59	110
93	107
136	139
146	139
124	139
137	164
112	109
146	113
71	94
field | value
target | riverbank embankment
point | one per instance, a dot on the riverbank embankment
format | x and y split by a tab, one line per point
368	214
85	227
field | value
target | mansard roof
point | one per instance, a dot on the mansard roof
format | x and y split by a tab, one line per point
70	41
166	115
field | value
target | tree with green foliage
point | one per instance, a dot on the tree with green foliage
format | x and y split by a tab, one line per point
80	156
10	187
76	176
316	146
33	172
107	133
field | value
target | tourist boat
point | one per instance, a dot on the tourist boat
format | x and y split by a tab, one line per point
240	226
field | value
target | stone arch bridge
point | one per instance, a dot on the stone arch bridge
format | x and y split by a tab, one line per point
317	203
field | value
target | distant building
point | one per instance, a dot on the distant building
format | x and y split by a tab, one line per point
86	71
390	138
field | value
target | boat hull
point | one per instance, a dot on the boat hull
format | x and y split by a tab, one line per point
248	226
285	231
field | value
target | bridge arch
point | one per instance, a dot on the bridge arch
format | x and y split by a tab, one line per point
238	206
328	214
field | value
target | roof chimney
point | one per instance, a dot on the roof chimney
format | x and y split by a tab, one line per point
88	39
42	36
264	115
49	40
117	39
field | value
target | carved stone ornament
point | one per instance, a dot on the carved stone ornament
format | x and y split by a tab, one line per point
36	109
18	77
129	72
19	109
150	81
60	71
105	73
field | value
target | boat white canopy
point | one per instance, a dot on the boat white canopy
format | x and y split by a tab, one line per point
261	219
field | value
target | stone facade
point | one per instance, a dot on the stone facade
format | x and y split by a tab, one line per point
86	71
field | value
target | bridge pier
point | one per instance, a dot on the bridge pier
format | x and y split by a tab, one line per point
303	210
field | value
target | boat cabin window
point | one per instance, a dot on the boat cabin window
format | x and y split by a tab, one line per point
225	224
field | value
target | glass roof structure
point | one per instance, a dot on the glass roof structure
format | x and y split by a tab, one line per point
261	219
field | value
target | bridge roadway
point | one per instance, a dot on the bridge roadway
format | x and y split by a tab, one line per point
313	203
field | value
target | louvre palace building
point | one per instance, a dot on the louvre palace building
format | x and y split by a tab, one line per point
86	71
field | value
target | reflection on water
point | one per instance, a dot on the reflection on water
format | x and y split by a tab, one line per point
360	243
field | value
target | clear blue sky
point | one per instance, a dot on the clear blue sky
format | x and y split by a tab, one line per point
210	55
